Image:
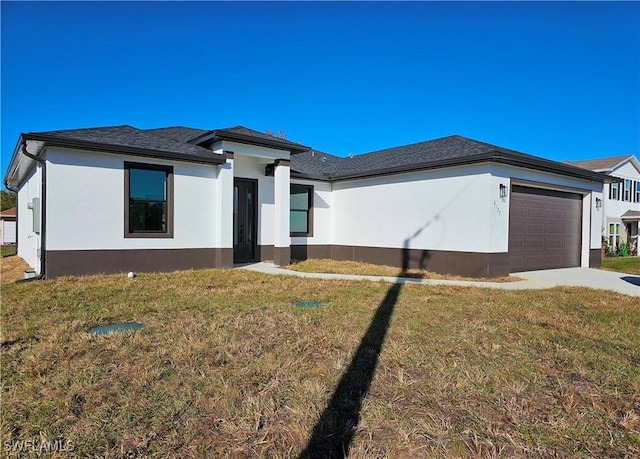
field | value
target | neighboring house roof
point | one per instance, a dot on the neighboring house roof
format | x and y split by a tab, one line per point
9	213
631	215
605	164
443	152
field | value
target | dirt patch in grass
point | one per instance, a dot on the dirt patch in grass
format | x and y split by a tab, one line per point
226	366
12	269
627	265
367	269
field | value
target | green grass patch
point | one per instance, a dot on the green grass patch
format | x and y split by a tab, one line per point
227	366
628	265
8	251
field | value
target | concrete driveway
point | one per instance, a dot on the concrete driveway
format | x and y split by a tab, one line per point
582	277
574	277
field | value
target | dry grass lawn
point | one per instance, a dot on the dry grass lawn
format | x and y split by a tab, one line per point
367	269
12	268
227	367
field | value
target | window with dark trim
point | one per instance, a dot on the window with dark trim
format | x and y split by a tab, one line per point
301	210
614	191
627	190
148	194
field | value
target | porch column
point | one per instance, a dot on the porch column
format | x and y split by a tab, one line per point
224	253
282	240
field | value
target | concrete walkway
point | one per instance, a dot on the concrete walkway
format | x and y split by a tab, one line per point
575	277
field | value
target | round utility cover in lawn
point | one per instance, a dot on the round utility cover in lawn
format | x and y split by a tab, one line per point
308	304
113	328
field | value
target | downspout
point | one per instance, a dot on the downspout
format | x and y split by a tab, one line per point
43	208
14	191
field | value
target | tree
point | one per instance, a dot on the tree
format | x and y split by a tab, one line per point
8	200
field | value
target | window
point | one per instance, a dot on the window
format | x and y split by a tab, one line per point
614	235
637	191
301	212
627	190
614	189
148	200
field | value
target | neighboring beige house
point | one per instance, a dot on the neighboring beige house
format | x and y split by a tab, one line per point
8	226
621	206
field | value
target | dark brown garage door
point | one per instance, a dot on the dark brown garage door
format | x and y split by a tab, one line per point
545	229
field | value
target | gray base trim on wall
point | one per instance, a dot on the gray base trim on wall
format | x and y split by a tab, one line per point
87	262
469	264
595	258
265	253
281	256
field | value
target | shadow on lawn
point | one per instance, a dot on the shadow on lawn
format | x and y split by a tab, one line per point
333	433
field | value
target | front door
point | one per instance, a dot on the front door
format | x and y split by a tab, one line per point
244	219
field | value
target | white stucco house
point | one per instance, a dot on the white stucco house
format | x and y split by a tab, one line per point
621	202
118	199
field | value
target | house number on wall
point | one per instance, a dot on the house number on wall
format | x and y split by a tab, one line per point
495	204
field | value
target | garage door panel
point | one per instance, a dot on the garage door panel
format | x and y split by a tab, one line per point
545	229
533	212
535	227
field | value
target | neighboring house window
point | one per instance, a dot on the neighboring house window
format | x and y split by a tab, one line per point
614	235
148	200
301	212
614	190
637	191
627	190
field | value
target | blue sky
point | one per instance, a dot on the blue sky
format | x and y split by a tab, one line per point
558	80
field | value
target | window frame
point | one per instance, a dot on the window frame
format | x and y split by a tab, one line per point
168	170
614	191
310	192
614	235
627	190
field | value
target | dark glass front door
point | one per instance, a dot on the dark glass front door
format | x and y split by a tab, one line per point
244	219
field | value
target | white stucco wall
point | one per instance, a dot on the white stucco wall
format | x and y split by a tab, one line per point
444	209
85	208
322	214
28	240
251	167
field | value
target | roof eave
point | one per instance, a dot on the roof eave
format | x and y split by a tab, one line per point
12	179
529	162
135	151
217	135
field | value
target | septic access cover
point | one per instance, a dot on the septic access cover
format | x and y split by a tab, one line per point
113	328
308	304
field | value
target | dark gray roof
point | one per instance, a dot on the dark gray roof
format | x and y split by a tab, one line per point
189	144
180	133
246	135
127	139
446	151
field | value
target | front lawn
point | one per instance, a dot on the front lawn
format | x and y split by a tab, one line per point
313	265
227	366
628	265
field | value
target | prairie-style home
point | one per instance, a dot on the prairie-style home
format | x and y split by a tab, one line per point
118	199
